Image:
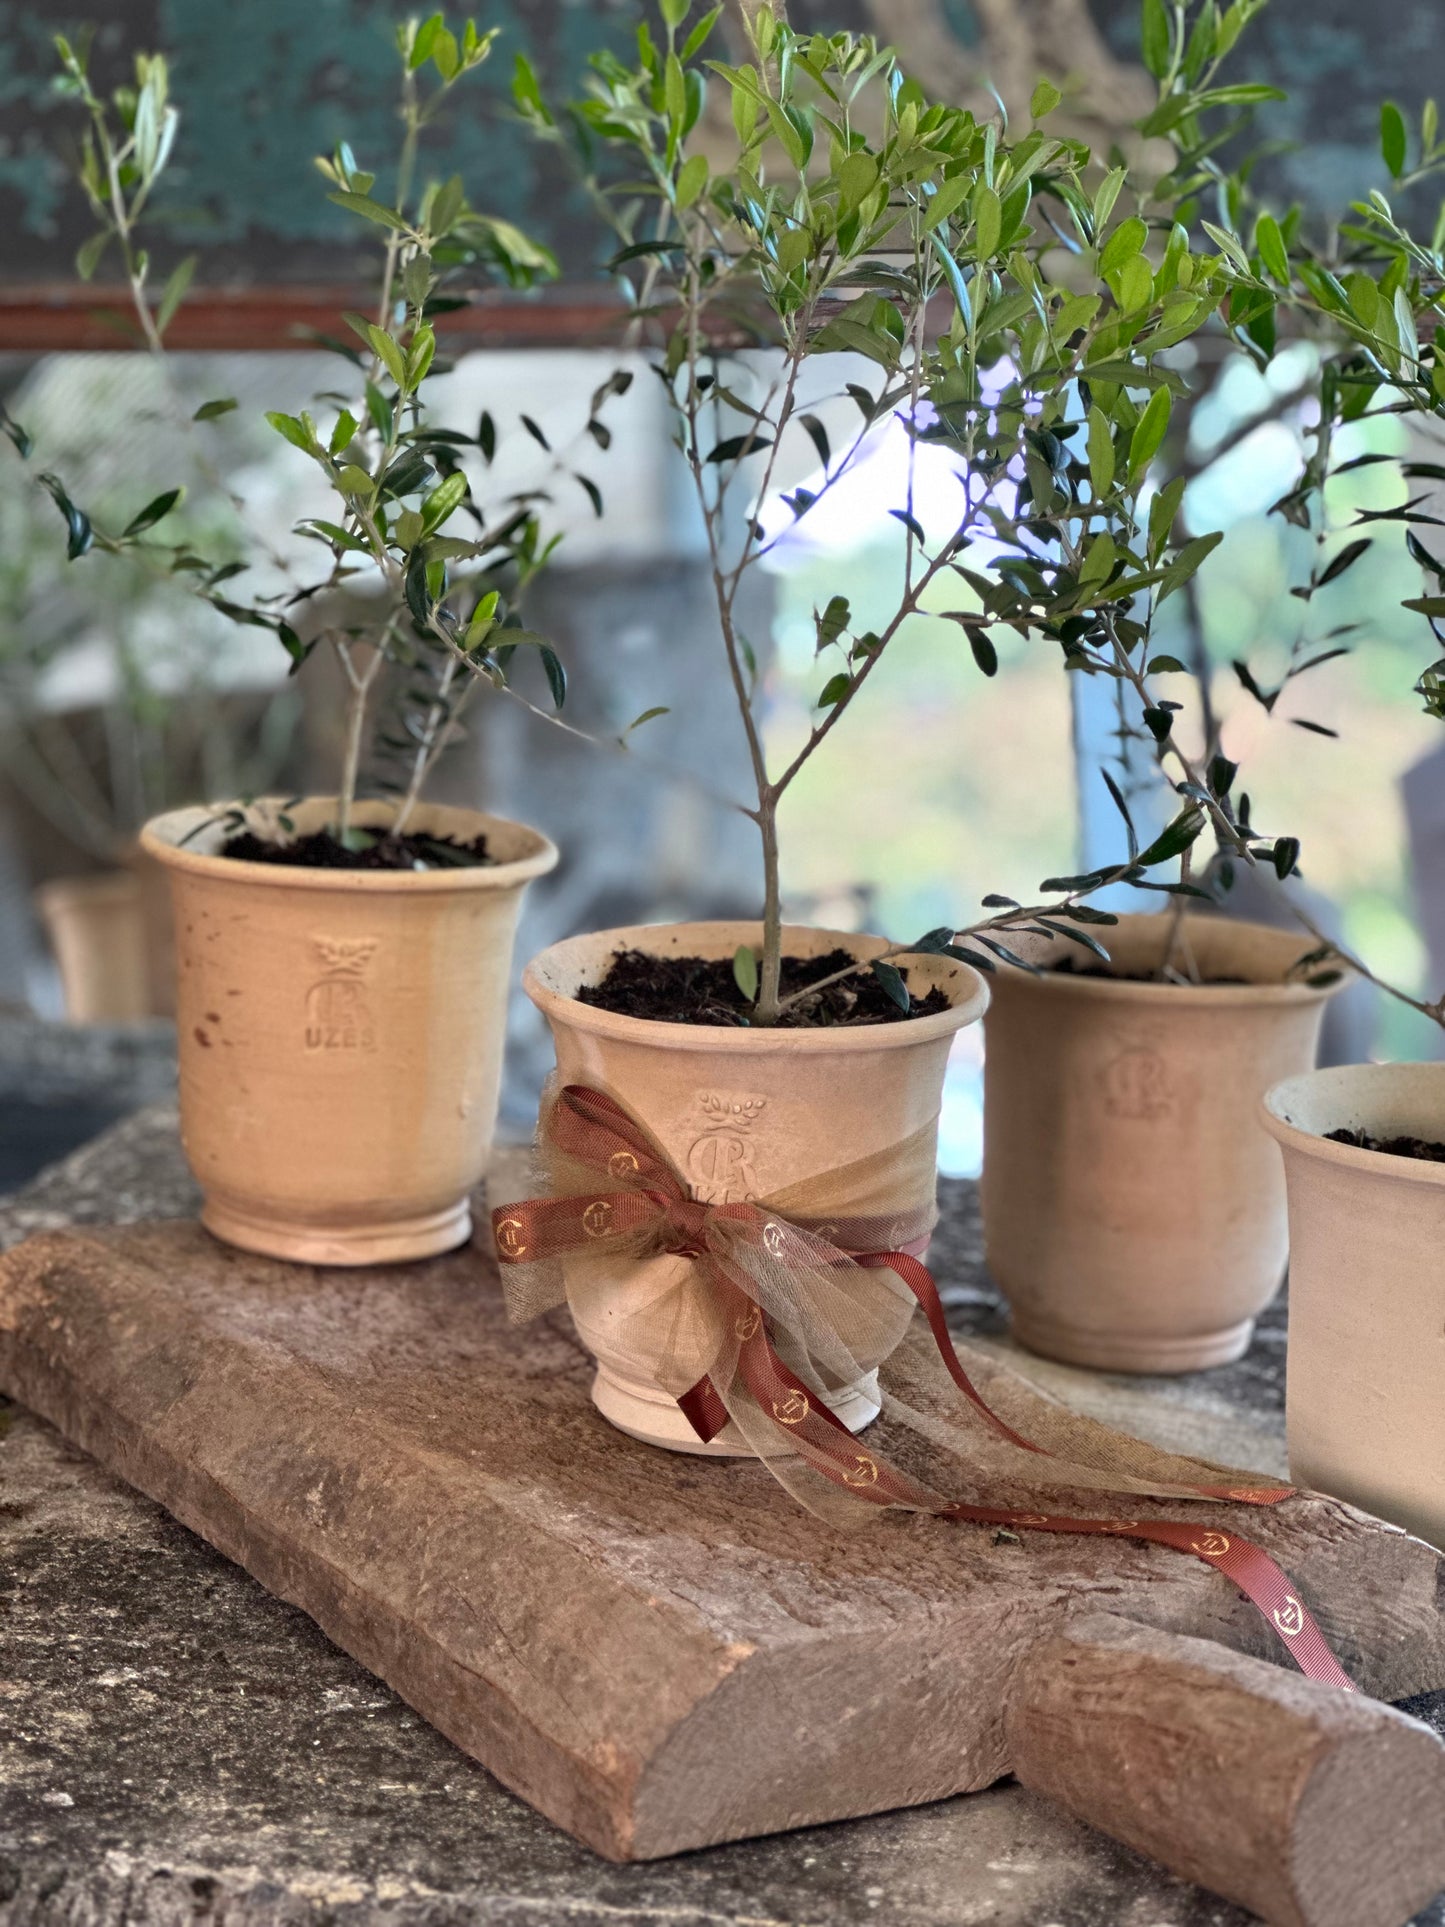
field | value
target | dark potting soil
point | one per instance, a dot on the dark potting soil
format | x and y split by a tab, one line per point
702	990
322	851
1424	1148
1066	967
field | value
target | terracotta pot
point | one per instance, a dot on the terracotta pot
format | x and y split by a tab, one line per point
1132	1214
341	1035
743	1114
1366	1374
96	926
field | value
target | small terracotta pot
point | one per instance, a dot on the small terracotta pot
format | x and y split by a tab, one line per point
1132	1215
96	926
742	1114
341	1034
1366	1372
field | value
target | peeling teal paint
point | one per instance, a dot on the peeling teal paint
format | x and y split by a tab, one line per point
260	105
261	102
26	166
266	85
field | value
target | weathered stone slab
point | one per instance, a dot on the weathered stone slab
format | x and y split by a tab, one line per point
177	1745
657	1653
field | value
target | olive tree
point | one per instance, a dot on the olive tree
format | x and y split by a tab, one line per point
1004	294
437	572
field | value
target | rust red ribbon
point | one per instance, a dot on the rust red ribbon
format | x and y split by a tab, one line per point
651	1198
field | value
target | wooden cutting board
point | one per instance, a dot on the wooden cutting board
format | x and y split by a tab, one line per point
663	1652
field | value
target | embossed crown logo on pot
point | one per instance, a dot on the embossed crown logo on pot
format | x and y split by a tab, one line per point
1137	1084
338	1016
720	1160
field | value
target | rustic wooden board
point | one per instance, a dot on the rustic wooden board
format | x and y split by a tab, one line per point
658	1652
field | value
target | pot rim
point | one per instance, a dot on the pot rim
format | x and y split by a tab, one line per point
972	986
1180	996
1353	1157
159	839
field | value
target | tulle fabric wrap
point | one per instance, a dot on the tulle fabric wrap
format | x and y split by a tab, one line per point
794	1258
754	1311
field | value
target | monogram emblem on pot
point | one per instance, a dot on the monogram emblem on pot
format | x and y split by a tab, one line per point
338	1016
1137	1084
1290	1617
792	1409
510	1241
720	1161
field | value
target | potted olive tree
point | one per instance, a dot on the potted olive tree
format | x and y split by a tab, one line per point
1102	1076
906	255
1364	1145
343	959
1100	1082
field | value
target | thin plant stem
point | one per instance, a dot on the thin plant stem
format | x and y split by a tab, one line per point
359	682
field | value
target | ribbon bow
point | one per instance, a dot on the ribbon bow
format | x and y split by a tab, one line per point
785	1309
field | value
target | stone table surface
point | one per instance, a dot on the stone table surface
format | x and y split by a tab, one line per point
177	1746
60	1084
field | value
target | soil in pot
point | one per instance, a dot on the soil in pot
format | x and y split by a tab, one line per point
1067	967
703	990
1427	1150
321	850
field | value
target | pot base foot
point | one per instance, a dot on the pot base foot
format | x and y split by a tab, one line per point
655	1419
1133	1352
398	1242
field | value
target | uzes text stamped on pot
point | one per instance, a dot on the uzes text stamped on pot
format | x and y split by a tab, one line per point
338	1016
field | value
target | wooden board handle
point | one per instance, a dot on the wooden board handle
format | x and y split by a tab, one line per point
1311	1807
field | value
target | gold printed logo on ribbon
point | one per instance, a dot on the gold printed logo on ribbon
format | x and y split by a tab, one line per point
510	1241
1122	1526
597	1218
793	1409
864	1472
1290	1617
773	1240
1212	1546
749	1325
1030	1519
622	1164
